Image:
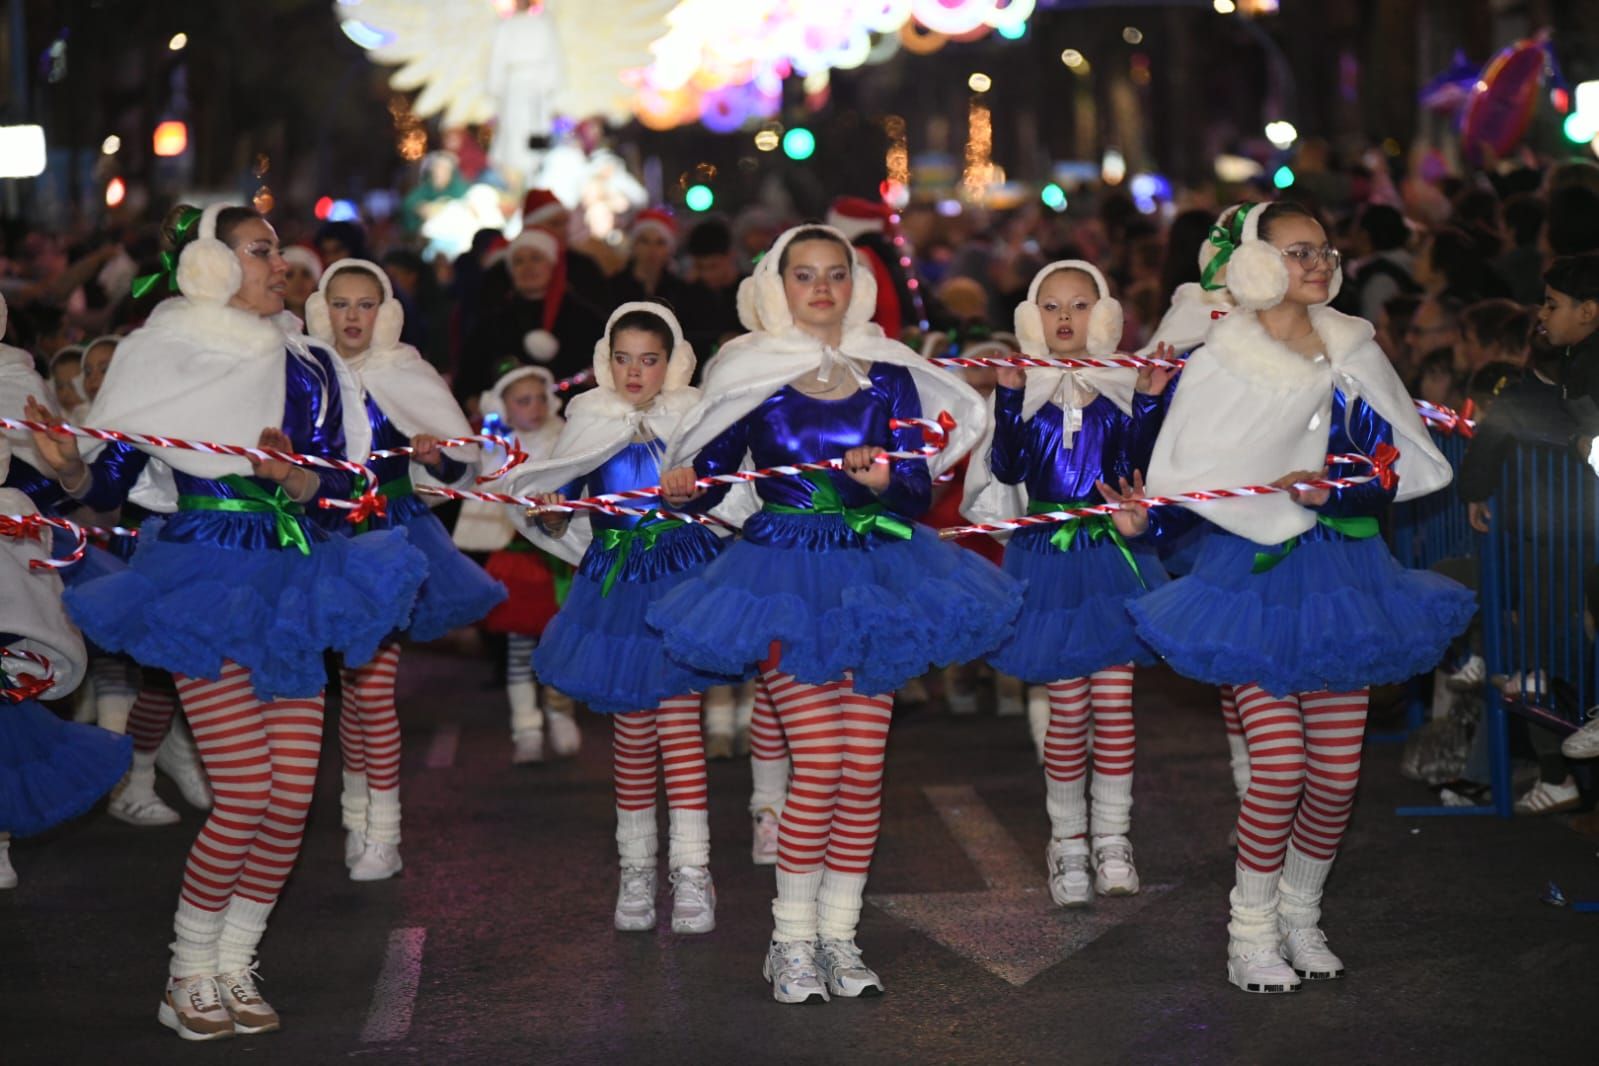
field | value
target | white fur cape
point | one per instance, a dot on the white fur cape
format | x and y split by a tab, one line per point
210	372
411	393
30	606
488	527
599	423
1249	410
18	381
1192	313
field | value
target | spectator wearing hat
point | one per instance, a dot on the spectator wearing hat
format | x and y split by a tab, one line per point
870	228
650	274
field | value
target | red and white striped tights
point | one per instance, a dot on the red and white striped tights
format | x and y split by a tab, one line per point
369	726
768	754
151	717
836	739
1107	696
1304	764
665	738
261	758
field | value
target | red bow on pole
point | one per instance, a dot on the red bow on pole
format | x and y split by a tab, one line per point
371	505
1383	458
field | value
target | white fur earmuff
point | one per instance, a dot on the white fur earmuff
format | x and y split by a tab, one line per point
1104	321
391	316
208	270
679	365
763	305
1256	275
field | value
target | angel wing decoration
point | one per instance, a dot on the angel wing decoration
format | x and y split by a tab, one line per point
473	64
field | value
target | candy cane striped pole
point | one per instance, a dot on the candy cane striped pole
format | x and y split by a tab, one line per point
28	686
532	503
514	455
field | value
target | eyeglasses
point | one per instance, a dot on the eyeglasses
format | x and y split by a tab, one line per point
1307	257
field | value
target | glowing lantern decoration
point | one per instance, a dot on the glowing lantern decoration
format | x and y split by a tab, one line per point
171	139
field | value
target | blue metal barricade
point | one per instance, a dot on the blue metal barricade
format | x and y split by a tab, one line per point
1434	527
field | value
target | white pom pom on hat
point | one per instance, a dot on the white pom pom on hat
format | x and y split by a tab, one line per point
679	364
541	345
763	305
391	316
208	271
1104	321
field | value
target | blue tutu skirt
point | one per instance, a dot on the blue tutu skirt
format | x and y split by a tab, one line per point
52	771
457	591
597	648
96	562
1334	614
186	606
835	601
1074	609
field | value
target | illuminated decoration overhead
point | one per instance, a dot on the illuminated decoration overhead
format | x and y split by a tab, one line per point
699	198
1113	168
22	152
1054	197
178	43
1281	133
1284	177
116	191
767	140
1224	7
980	170
799	144
979	83
171	139
1582	125
111	145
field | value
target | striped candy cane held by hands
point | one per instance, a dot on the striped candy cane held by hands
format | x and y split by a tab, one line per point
27	686
34	525
1381	462
514	455
532	503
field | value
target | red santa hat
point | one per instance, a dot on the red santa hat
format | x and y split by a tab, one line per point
658	219
854	216
541	344
539	206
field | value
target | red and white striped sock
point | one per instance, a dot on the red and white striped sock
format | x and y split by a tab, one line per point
1066	758
682	748
1335	726
813	723
1275	733
768	755
1111	691
1237	747
858	816
151	717
294	737
372	687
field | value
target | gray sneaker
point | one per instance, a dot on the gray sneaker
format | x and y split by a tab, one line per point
635	899
845	972
693	900
791	967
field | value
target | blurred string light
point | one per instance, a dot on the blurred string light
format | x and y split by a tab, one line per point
1284	177
1072	58
979	173
699	198
799	144
1224	7
1113	167
1281	133
767	140
171	138
178	42
22	152
1054	197
410	133
1132	35
897	159
111	145
979	82
116	191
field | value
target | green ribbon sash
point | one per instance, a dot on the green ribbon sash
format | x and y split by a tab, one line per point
873	518
646	534
256	500
1098	527
1361	528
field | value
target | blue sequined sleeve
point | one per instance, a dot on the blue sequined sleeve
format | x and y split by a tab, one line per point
1356	428
112	476
1008	455
910	485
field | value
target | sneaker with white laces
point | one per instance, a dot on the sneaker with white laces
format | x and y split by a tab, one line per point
192	1008
1307	952
244	1004
354	845
844	971
791	968
1546	798
529	747
693	900
635	899
1584	743
565	737
179	759
137	804
378	862
1471	674
8	874
1262	970
1070	884
1114	872
763	849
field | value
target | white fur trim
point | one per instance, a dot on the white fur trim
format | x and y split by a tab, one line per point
4	315
1105	321
541	239
541	344
854	227
679	364
208	270
391	316
766	306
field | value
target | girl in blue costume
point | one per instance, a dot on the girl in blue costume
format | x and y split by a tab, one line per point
238	593
406	404
50	770
833	594
1059	438
597	648
1294	598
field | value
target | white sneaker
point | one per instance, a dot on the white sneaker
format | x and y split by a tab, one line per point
378	862
1262	969
635	899
1584	743
845	972
565	739
1544	798
1069	882
179	759
791	968
763	851
1114	872
529	747
244	1003
1471	674
137	804
192	1008
1306	951
693	900
354	845
8	874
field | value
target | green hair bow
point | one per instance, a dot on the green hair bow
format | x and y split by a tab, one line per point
182	233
